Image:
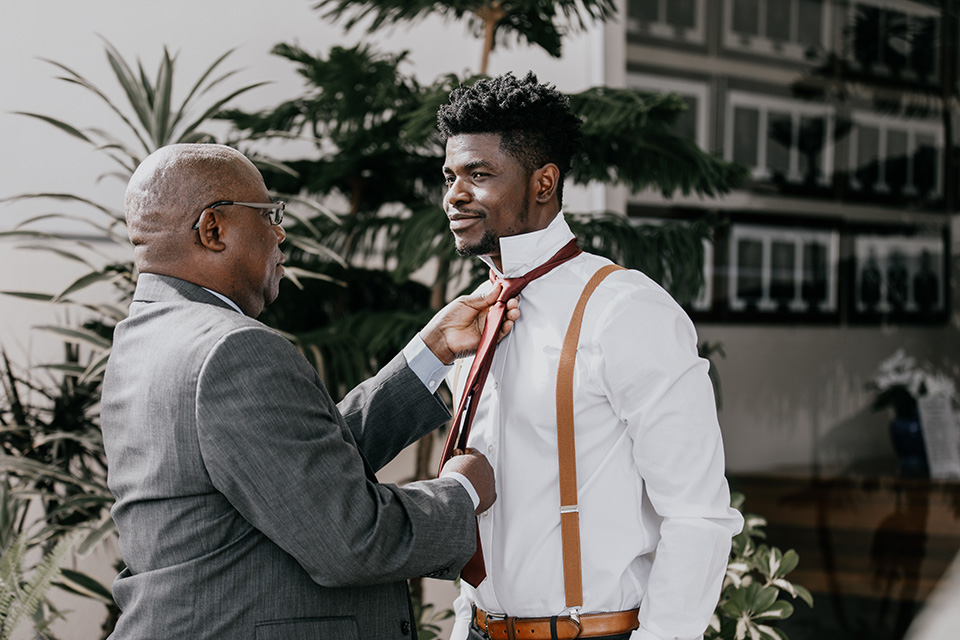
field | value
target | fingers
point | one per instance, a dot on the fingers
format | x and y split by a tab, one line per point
475	467
511	316
481	301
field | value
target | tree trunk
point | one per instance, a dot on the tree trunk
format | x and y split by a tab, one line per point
491	15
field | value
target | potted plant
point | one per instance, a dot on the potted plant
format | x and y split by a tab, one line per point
899	384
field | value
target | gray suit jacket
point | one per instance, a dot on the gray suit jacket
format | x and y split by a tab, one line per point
242	499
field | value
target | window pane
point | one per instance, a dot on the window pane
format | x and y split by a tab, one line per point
868	145
925	164
866	35
896	42
782	260
779	142
778	19
814	273
686	124
810	141
746	16
745	124
749	270
923	54
811	23
645	10
681	13
895	171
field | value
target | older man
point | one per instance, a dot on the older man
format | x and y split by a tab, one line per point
245	498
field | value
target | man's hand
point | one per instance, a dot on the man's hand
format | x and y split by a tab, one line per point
455	330
474	467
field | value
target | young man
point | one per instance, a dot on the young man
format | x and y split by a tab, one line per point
245	498
655	520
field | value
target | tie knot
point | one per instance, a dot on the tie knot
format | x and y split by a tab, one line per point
511	287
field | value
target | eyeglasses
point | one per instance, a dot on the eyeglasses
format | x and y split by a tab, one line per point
273	210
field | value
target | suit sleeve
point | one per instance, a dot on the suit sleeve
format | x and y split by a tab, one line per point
276	446
391	411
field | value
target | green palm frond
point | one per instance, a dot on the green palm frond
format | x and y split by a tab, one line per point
542	24
21	596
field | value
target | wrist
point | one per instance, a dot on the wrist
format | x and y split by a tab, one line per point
437	345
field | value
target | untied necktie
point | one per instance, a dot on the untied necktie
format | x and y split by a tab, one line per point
474	571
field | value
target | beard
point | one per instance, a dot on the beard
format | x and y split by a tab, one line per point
489	242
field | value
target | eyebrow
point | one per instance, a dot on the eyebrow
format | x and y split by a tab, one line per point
470	166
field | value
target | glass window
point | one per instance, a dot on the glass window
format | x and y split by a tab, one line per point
868	155
746	16
646	10
686	124
810	28
681	13
779	142
895	169
778	19
925	164
746	122
810	142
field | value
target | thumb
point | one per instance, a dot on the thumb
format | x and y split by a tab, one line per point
482	301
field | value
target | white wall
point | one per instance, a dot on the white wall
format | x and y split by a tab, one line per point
34	157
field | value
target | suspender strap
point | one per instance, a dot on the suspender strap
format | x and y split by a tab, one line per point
569	509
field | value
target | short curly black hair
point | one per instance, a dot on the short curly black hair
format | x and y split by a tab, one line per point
534	120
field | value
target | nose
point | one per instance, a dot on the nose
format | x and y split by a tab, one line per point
457	193
281	234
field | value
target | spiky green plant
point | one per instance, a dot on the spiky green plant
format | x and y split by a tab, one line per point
541	24
23	592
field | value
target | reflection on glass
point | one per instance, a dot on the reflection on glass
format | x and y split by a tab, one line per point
750	271
745	124
782	276
746	16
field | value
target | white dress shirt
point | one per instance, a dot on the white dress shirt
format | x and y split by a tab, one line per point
655	515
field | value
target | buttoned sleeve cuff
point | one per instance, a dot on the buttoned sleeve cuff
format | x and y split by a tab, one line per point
425	364
462	479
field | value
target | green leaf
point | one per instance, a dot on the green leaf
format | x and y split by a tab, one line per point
78	334
60	124
83	282
780	610
84	585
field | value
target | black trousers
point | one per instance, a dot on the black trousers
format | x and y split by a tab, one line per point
476	633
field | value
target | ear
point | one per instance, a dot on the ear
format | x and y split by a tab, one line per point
546	180
211	230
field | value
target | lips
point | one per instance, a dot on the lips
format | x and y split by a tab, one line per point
461	220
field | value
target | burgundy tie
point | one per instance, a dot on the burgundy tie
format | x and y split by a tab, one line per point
474	571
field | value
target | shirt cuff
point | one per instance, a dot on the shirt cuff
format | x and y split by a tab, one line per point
425	364
462	479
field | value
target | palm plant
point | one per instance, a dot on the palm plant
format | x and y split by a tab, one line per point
542	24
21	596
49	428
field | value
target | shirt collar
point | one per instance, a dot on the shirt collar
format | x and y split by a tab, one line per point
224	298
521	253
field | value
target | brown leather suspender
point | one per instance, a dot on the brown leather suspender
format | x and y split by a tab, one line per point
569	509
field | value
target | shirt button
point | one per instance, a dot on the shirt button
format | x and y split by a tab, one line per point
405	628
496	384
491	449
432	384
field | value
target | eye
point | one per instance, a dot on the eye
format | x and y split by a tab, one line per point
479	175
448	179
